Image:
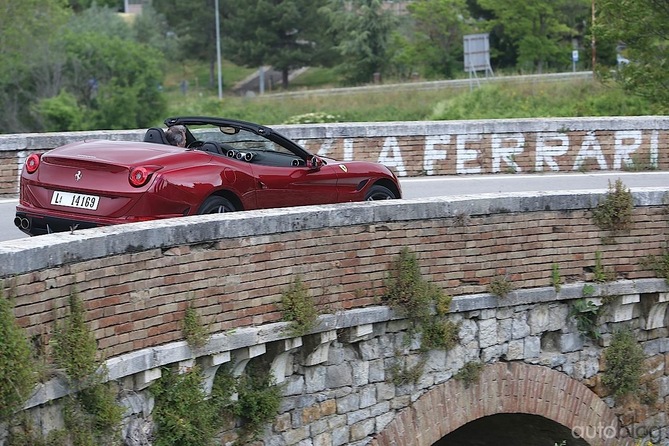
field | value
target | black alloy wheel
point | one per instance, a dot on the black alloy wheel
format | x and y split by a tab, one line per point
216	205
377	192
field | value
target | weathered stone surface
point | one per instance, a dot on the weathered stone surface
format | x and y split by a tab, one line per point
487	332
338	375
515	350
571	342
547	317
362	429
348	403
532	347
520	327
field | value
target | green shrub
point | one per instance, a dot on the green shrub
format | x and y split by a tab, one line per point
614	212
60	113
469	373
439	334
298	308
500	286
185	416
91	414
659	264
585	313
182	413
406	291
258	403
74	346
194	330
413	297
624	364
556	279
588	290
601	274
402	373
24	433
18	374
92	417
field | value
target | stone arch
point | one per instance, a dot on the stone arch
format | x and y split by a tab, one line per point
504	387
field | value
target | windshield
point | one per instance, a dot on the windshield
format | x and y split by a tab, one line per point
244	140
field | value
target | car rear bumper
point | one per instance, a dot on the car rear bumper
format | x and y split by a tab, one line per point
43	224
39	222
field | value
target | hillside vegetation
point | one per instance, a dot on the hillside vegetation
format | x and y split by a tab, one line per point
490	100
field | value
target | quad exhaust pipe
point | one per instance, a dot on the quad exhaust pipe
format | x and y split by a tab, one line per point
22	223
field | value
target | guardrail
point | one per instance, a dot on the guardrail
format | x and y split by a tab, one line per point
455	84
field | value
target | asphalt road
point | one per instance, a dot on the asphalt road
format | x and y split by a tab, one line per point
424	187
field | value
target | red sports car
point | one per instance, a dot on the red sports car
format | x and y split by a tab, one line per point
226	165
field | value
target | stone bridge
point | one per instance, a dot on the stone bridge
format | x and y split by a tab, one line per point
353	378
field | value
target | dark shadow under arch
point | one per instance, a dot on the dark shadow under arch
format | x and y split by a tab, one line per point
511	429
503	387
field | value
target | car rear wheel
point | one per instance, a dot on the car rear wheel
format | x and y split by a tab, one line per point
216	205
377	192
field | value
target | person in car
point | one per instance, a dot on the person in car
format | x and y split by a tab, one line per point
176	135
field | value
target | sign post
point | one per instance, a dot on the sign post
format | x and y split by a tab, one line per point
477	55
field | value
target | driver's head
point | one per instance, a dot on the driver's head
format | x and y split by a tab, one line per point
176	135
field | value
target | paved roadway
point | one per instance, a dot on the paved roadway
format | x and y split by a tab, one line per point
423	187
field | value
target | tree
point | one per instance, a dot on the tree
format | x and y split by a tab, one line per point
538	29
101	77
286	34
27	29
361	30
436	41
64	71
151	28
192	25
640	27
115	80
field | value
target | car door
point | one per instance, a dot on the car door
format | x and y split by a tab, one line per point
295	185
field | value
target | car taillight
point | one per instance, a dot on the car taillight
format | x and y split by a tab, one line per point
32	163
139	176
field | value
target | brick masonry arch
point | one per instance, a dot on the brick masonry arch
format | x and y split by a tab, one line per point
503	388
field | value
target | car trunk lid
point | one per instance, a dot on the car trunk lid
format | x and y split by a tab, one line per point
93	177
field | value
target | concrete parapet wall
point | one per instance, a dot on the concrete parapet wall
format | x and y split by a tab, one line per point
437	147
136	280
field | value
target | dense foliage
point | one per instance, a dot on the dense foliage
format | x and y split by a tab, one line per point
70	67
17	372
78	64
284	35
624	364
492	100
642	35
541	33
361	31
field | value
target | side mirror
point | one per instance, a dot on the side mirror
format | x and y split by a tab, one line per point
316	162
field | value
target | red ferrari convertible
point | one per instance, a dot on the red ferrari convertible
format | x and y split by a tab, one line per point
226	166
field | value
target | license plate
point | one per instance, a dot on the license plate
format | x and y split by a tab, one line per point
80	201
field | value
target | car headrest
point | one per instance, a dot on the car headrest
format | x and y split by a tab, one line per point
155	135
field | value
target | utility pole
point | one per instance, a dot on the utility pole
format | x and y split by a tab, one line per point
592	41
218	53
